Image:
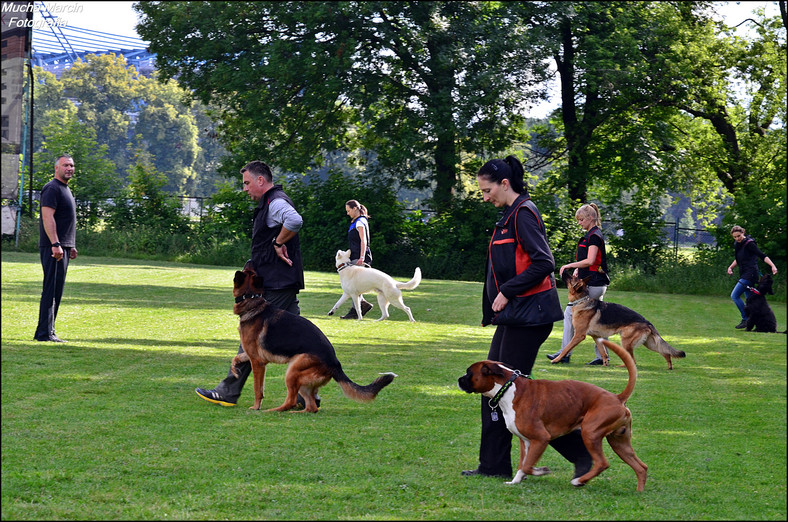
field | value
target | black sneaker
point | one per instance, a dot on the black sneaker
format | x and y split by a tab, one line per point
365	307
213	396
742	324
351	314
52	339
300	404
475	472
595	362
552	356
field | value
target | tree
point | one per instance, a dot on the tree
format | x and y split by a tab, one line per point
95	177
408	87
113	99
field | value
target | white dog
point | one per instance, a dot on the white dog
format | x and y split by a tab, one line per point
357	280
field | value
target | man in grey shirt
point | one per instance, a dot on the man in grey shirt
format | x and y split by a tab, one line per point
276	255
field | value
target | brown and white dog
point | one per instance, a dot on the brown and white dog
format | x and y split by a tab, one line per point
539	411
269	334
602	319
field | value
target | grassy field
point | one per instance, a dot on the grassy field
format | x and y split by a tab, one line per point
107	426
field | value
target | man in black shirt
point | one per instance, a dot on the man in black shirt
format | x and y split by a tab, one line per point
56	243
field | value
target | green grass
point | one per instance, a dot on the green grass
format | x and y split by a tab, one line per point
107	427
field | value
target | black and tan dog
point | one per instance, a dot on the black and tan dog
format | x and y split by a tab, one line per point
269	334
539	411
759	315
602	319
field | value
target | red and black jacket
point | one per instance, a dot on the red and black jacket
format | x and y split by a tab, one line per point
520	262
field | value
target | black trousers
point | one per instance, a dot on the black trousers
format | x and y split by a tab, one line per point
518	347
51	292
231	386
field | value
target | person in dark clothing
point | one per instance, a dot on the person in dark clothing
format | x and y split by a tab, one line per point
590	261
746	255
519	269
56	243
360	253
276	255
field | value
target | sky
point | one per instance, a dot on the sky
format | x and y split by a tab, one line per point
119	18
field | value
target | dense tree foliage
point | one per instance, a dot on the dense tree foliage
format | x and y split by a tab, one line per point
126	110
410	87
96	175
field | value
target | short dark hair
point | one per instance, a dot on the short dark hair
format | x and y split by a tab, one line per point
63	156
258	168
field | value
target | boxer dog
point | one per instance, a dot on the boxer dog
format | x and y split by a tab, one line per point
269	334
540	411
602	319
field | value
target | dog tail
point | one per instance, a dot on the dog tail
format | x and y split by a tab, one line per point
629	362
363	393
413	283
656	343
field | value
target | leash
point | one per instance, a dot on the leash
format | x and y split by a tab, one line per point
573	303
753	290
247	296
493	403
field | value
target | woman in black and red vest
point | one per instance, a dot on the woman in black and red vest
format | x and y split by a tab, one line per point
520	297
590	261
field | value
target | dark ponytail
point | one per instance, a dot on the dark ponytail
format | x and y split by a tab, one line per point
509	168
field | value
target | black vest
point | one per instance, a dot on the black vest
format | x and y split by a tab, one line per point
276	274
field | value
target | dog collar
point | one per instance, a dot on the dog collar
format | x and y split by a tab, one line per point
573	303
344	266
753	290
247	296
508	384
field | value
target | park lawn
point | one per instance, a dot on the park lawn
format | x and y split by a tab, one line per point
107	426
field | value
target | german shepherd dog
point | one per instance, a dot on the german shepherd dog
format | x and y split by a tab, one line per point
602	319
269	334
538	411
759	315
357	280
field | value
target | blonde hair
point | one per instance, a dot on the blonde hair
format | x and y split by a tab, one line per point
592	211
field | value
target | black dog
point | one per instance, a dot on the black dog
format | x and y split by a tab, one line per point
759	315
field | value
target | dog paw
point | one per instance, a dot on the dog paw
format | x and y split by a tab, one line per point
541	470
577	483
331	312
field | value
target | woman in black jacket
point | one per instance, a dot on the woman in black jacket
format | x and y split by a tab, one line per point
746	254
520	297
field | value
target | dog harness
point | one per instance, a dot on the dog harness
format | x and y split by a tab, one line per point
343	266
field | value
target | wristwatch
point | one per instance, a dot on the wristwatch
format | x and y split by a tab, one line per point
56	244
277	245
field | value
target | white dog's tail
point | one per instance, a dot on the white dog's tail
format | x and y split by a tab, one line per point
413	283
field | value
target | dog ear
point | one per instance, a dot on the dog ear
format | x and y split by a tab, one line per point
566	277
492	369
239	278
